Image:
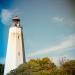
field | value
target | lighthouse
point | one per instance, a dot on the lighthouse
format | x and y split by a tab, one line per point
15	48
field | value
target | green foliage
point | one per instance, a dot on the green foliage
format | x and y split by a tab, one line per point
1	69
44	67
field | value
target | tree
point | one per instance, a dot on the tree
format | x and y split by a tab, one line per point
35	67
68	68
1	69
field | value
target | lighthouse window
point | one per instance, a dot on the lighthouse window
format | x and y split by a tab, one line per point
18	53
18	37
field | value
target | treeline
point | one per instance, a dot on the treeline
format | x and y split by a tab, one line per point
44	66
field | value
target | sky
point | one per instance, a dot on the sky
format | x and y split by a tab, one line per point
48	27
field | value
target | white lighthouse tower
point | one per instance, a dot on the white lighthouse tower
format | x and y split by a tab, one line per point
15	48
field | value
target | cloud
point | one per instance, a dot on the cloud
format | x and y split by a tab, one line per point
58	19
68	21
6	16
72	23
66	43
